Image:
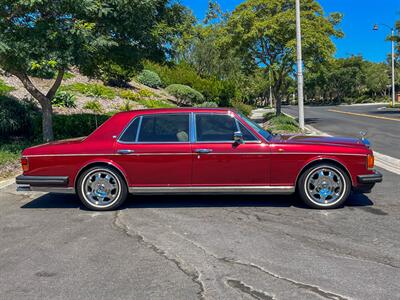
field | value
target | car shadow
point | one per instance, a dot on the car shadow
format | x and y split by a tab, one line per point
50	200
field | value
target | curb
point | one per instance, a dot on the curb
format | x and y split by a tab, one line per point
7	182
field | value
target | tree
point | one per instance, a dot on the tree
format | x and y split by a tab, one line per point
376	77
89	34
263	32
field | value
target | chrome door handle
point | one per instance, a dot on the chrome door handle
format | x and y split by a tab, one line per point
125	151
203	150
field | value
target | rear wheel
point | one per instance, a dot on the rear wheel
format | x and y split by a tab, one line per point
101	188
324	186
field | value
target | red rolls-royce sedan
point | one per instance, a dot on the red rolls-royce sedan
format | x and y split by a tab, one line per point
197	150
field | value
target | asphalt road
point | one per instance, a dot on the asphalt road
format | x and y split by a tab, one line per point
200	247
383	125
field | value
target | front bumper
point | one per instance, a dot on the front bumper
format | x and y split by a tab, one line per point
367	182
370	178
54	184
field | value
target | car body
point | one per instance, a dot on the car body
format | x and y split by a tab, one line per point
197	150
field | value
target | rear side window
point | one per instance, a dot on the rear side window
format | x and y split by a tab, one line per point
164	128
129	135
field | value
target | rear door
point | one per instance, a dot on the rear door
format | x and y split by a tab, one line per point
218	161
154	150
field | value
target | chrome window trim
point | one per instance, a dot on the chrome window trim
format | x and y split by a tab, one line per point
136	142
228	113
138	129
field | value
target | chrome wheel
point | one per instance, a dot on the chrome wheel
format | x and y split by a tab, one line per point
101	188
325	186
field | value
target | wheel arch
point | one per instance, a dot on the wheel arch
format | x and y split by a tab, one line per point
109	164
321	160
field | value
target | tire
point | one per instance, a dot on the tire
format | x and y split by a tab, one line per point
101	188
324	186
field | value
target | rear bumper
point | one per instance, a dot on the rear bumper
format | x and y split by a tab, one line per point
370	178
54	184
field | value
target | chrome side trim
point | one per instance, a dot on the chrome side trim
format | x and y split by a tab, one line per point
28	188
213	190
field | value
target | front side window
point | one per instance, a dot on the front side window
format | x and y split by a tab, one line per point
219	128
215	128
164	128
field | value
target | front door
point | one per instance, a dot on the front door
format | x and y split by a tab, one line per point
218	161
155	150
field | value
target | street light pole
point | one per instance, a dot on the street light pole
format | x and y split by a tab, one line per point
376	27
299	67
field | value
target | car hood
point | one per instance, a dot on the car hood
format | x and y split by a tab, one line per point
325	140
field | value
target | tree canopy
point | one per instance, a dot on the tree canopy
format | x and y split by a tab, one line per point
263	34
92	35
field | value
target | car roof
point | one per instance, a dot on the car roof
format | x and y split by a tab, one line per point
176	110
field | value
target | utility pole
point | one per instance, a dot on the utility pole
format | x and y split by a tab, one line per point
299	67
376	27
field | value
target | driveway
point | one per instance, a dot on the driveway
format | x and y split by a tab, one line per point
383	125
200	247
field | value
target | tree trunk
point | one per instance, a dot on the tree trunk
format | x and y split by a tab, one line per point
47	121
278	105
44	101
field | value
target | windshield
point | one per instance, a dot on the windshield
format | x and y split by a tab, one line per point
265	133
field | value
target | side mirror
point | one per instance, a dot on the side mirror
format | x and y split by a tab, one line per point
238	137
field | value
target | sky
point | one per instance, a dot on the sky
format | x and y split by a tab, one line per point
358	20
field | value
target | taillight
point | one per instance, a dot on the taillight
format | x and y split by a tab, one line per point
25	164
370	162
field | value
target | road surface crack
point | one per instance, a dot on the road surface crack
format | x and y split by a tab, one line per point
311	288
194	274
256	294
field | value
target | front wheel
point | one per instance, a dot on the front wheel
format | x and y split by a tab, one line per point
324	186
101	188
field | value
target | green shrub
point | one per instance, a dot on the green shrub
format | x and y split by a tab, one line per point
213	89
16	117
152	103
64	99
281	123
146	93
4	88
149	78
185	94
94	106
90	89
145	101
242	107
127	94
207	104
